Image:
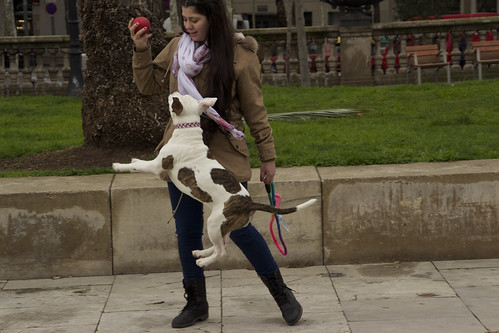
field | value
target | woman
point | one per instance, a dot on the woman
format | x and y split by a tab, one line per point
210	45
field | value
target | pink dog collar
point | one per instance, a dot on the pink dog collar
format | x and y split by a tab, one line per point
188	125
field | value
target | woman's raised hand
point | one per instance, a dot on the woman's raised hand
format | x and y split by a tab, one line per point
140	38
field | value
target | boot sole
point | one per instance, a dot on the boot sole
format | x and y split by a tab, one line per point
202	318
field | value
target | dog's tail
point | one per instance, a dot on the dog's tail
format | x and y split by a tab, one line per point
275	210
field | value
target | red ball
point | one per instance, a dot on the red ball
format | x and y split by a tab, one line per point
143	23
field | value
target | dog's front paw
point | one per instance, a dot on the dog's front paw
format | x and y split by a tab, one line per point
196	254
117	167
203	253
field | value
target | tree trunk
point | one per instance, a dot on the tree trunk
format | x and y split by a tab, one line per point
302	44
114	113
153	6
288	5
9	23
228	3
281	13
174	16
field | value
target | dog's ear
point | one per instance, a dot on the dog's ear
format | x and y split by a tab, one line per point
177	106
207	102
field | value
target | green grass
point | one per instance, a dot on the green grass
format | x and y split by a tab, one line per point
431	122
30	125
404	124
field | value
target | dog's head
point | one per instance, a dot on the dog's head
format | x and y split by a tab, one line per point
185	109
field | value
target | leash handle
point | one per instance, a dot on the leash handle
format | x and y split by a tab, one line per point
268	188
275	200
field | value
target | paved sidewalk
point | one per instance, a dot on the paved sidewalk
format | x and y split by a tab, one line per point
443	297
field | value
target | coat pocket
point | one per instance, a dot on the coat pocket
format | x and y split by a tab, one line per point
239	145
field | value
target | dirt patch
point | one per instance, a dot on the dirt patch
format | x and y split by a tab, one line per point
83	157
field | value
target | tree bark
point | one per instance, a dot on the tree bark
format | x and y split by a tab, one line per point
154	6
228	3
281	13
114	113
174	15
9	23
288	5
302	44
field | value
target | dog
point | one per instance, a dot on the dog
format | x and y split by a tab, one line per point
187	162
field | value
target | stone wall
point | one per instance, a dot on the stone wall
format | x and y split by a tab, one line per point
117	224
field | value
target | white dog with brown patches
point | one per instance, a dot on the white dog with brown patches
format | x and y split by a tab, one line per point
187	161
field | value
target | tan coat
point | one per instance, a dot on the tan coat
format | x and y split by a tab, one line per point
156	76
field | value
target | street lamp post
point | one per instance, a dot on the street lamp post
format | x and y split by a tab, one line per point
75	84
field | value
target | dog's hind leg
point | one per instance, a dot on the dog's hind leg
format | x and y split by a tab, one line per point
208	252
215	235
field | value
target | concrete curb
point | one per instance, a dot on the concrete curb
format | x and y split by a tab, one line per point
117	224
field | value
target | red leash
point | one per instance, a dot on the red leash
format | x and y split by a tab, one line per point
275	200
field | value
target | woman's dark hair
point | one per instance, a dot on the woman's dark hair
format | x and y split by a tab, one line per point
220	40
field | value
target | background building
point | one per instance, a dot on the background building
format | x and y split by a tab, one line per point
318	13
38	17
48	17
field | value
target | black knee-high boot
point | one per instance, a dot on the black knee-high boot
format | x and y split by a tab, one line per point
197	305
290	308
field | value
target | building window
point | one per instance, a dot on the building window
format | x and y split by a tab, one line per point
24	17
262	8
308	18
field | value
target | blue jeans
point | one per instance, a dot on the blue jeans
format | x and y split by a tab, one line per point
189	225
